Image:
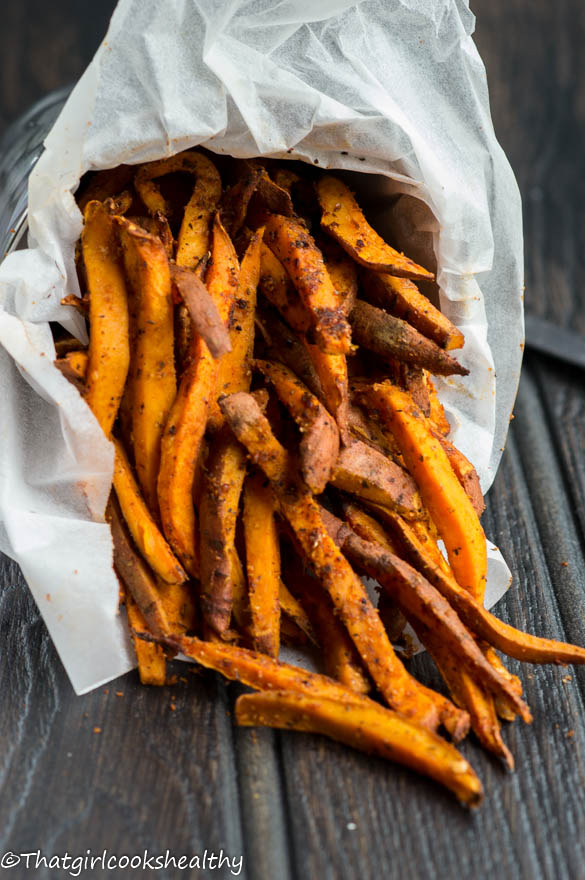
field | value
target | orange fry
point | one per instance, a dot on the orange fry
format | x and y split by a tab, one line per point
343	220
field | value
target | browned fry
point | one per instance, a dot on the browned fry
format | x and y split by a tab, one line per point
293	609
319	447
502	710
235	368
236	198
240	604
363	471
218	511
80	303
276	285
285	346
185	427
332	372
152	380
502	636
269	198
343	220
194	230
465	473
136	575
202	310
369	728
403	299
343	273
262	564
109	346
303	261
340	658
152	664
364	428
391	337
437	413
73	365
105	185
345	588
413	380
142	526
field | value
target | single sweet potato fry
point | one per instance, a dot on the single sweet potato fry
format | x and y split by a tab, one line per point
142	526
293	609
391	337
152	380
441	492
74	366
303	261
218	511
369	728
345	588
202	310
402	298
152	664
235	368
343	273
276	285
236	198
332	372
502	636
344	221
262	564
465	473
109	346
185	426
194	232
363	471
135	574
319	448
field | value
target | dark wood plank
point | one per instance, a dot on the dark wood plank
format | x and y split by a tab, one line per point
44	46
152	778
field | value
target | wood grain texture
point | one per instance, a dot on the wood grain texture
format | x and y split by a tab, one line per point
188	779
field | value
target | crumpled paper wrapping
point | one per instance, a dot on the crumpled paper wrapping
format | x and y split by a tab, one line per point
393	88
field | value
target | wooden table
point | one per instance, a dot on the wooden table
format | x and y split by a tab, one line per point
299	806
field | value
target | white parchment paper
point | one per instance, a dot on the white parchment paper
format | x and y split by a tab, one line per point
387	87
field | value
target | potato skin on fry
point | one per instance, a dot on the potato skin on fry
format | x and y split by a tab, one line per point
218	510
366	473
319	447
403	299
152	664
109	346
391	337
301	258
369	728
343	220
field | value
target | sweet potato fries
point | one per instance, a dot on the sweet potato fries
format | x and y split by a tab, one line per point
262	360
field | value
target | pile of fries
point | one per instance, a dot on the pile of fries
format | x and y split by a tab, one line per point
262	362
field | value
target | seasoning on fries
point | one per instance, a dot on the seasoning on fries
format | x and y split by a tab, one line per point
262	360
